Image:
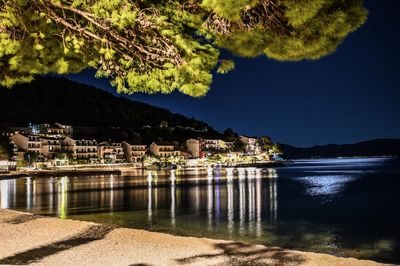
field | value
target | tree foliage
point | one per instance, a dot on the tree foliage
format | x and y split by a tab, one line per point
6	149
265	143
238	145
276	148
230	135
158	46
31	157
3	152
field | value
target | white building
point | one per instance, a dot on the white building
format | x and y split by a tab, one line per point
51	129
7	166
215	144
250	144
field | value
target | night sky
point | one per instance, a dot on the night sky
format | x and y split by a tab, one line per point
349	96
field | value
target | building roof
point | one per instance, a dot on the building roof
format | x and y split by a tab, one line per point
104	143
48	138
74	139
249	137
136	144
164	143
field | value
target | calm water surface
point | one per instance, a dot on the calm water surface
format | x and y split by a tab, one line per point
345	207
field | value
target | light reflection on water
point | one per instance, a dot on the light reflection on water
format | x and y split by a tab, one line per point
227	193
328	185
296	206
345	163
63	198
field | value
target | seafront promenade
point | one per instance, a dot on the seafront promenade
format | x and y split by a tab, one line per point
31	239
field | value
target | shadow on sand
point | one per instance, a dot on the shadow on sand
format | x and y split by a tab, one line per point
23	218
93	233
236	253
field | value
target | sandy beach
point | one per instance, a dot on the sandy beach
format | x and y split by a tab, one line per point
32	239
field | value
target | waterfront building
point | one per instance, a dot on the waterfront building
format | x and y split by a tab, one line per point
164	150
133	153
110	152
106	153
250	144
18	154
214	144
51	129
194	147
27	143
81	149
6	165
119	151
50	147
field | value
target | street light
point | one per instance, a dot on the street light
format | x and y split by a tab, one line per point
29	160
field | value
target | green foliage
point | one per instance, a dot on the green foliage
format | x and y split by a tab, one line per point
164	45
230	135
228	9
238	146
6	149
245	43
3	152
22	163
265	143
314	28
225	66
320	33
31	157
63	155
214	158
299	12
276	148
22	57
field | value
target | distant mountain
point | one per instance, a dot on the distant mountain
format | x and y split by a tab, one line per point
376	147
51	99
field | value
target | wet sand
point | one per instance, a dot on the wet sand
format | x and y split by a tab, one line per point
30	239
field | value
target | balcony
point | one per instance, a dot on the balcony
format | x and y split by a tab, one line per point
166	149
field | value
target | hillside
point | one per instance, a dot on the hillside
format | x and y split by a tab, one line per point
377	147
56	99
94	113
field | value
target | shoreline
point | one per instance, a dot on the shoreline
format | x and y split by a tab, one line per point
52	241
59	172
106	170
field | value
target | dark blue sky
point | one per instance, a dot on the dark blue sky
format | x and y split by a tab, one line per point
349	96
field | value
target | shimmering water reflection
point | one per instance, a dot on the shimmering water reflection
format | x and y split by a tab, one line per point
230	194
344	207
